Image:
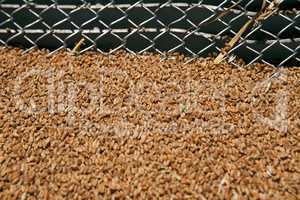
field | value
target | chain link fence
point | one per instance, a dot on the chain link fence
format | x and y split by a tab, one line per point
194	28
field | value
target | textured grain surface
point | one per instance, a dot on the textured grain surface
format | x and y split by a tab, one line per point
94	127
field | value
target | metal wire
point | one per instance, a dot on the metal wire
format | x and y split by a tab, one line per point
190	27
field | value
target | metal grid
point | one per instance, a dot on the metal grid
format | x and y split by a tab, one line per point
190	27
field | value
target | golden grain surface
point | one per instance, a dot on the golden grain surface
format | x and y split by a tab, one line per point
135	127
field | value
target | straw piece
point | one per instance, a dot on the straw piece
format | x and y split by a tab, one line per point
262	14
222	14
77	46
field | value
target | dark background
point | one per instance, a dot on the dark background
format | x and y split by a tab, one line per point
275	28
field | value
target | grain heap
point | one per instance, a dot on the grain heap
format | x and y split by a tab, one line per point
94	126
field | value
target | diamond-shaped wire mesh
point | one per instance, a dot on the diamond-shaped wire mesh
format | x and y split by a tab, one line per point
159	26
